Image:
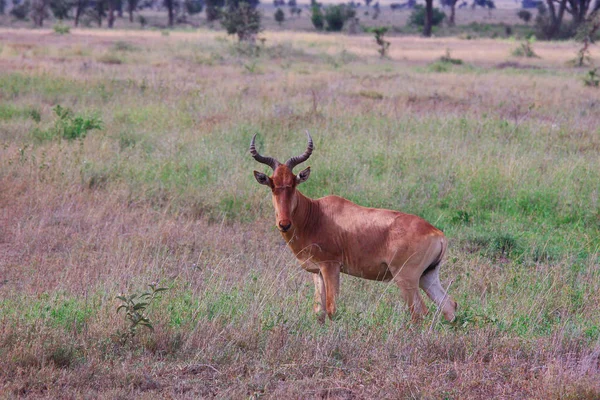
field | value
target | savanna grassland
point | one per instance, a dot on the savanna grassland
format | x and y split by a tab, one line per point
124	162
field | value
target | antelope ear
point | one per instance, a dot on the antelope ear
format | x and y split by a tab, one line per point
303	175
262	179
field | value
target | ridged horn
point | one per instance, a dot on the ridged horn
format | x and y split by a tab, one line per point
270	161
292	162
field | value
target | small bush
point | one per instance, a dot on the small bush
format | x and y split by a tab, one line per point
417	17
123	46
143	21
524	15
371	94
135	307
383	44
525	49
61	29
592	79
110	58
279	16
68	125
337	15
447	58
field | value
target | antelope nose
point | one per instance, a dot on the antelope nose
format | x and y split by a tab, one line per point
284	225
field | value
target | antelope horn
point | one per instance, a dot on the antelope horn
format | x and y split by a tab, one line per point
292	162
270	161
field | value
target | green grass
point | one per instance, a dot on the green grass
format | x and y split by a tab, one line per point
505	162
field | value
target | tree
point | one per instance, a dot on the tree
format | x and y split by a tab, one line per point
80	7
2	7
39	11
317	18
213	9
170	5
242	19
132	5
418	17
111	13
525	15
194	6
20	10
428	18
383	44
61	8
279	16
452	5
337	15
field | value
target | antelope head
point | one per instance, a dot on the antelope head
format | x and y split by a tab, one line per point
283	182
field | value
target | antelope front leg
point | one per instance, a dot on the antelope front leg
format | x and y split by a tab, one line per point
331	278
319	296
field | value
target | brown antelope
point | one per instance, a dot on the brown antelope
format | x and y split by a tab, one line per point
332	235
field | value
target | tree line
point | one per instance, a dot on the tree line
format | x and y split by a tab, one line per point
555	19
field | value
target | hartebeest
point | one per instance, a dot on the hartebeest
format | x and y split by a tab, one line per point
332	235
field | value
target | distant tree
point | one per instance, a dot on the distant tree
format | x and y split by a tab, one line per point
279	16
418	17
111	13
80	8
524	15
368	2
337	15
193	7
551	13
452	5
376	10
428	18
213	9
39	11
132	5
2	7
489	4
171	5
242	19
98	12
317	18
383	44
61	8
20	10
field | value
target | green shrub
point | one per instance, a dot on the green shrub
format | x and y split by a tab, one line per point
279	16
135	307
68	125
21	11
61	28
337	15
592	78
447	58
317	18
417	17
193	6
242	20
525	49
525	15
383	44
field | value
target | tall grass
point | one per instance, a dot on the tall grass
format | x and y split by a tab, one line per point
504	161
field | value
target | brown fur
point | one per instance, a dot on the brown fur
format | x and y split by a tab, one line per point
331	235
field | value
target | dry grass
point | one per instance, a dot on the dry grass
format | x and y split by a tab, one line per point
505	160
